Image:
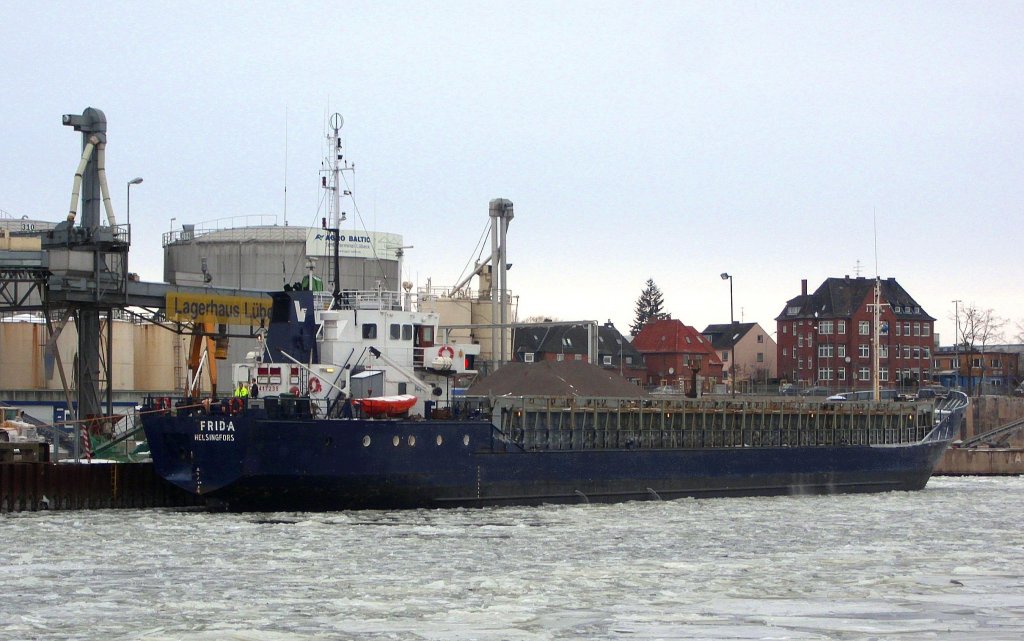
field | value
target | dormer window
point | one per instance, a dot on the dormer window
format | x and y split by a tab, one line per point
792	310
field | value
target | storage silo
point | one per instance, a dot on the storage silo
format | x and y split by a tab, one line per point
268	257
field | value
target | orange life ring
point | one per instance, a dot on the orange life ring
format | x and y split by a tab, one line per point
294	391
314	385
165	404
446	350
235	405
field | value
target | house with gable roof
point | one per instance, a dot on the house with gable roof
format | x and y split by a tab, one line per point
557	341
672	350
826	338
754	348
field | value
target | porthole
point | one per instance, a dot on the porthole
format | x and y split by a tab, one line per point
465	440
412	441
439	439
366	441
395	441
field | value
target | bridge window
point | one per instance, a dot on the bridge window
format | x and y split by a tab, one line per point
406	332
395	331
369	330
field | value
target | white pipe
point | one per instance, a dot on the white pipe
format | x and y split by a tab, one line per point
198	372
101	173
312	373
76	187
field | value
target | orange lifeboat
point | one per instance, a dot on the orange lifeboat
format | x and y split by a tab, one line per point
386	405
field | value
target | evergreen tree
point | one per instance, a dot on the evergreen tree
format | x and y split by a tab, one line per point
648	307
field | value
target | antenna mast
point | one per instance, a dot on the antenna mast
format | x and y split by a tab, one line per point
331	180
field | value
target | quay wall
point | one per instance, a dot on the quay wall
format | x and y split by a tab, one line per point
70	486
981	461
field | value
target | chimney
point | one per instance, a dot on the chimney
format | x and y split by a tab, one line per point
803	287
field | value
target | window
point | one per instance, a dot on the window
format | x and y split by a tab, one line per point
629	360
883	374
883	328
841	373
863	350
842	327
864	374
785	352
917	352
760	357
725	357
369	330
917	329
996	363
863	328
689	340
898	332
800	341
760	338
927	352
792	310
825	327
579	357
559	357
926	329
906	328
607	360
906	352
825	351
406	332
785	328
800	364
976	362
841	351
824	374
528	357
395	331
883	351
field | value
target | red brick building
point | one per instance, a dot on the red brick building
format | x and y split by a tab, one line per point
671	349
826	338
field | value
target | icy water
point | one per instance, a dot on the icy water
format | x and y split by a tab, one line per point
944	563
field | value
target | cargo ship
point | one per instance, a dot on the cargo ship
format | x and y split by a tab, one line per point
317	438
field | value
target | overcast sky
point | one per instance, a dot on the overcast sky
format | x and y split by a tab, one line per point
664	140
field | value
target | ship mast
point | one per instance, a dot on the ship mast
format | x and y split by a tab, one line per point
331	181
875	387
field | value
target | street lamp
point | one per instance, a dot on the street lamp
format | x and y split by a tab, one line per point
128	209
732	321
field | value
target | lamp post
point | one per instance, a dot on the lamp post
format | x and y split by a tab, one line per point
732	341
128	208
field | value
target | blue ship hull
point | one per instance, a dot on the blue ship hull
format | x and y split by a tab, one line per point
251	462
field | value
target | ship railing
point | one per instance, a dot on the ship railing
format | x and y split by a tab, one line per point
546	423
361	299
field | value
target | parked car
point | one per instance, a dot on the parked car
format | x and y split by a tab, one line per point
815	391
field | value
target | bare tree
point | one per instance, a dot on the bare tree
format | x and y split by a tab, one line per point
540	318
978	328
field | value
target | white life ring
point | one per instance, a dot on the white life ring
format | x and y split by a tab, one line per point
446	350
